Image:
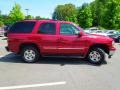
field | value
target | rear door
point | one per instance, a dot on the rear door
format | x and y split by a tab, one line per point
19	33
48	38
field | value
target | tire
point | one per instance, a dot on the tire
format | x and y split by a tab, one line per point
96	56
30	54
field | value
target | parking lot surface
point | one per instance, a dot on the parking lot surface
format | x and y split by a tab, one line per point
57	73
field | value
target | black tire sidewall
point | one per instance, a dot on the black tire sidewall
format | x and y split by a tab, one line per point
31	48
102	54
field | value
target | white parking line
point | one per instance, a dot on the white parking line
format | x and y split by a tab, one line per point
31	86
1	56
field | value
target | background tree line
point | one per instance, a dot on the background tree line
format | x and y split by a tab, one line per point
100	13
15	14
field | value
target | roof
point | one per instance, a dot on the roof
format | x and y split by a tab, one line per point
48	20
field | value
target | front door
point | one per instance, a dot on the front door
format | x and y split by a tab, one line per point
70	43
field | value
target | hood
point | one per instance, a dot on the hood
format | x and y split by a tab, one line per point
99	38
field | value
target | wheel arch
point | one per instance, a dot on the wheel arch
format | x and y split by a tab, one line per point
29	44
101	46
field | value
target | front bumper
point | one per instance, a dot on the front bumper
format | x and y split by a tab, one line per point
111	52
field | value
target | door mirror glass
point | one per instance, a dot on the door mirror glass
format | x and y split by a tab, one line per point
80	34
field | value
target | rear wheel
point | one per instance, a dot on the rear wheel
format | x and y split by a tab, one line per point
30	54
96	56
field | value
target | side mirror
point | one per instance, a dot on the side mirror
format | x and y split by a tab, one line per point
80	34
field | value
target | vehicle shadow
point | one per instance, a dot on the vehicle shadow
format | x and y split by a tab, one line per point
14	58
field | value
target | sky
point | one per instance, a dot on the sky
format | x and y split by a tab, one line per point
43	8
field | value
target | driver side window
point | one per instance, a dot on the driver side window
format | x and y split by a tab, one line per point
68	29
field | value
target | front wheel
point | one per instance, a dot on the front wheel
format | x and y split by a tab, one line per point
96	56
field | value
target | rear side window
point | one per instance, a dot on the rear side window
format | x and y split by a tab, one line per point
22	27
47	28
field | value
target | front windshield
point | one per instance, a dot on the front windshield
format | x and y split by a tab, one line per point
81	29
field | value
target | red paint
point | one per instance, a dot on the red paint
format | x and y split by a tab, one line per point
57	44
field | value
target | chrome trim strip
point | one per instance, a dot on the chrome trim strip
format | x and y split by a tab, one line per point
65	48
60	56
72	48
50	48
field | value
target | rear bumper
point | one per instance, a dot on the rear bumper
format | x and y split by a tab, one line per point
7	49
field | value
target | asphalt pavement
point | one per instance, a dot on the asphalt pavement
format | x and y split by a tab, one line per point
57	73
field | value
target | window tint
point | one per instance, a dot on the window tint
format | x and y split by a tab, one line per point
47	28
22	27
68	29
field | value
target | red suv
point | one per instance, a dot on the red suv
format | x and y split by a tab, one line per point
35	38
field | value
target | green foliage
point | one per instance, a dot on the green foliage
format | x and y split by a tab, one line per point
85	16
106	13
111	17
6	19
100	13
16	14
29	17
37	17
67	12
72	18
1	23
0	17
40	18
97	8
101	28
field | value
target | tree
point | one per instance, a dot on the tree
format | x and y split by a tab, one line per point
16	14
85	16
106	13
97	9
1	23
72	18
111	17
67	12
40	18
6	20
37	17
29	17
0	17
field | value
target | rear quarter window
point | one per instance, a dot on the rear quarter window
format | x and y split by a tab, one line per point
47	28
22	27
